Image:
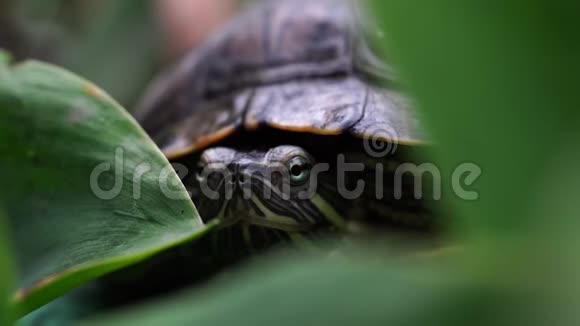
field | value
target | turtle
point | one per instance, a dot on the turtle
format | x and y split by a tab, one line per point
275	122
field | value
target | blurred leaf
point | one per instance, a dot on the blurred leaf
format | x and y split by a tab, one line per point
112	43
497	82
338	291
6	284
86	191
117	48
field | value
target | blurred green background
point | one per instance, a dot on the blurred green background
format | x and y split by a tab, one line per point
497	82
120	45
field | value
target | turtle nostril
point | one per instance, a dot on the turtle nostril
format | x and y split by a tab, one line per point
242	178
233	167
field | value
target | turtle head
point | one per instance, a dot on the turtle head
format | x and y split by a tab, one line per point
273	187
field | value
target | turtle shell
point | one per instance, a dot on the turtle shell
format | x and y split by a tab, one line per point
293	65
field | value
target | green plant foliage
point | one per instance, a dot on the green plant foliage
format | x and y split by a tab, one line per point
497	84
118	49
112	43
86	191
5	274
336	291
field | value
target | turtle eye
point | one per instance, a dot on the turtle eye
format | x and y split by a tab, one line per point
299	170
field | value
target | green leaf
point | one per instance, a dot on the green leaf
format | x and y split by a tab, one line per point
6	273
497	82
335	291
87	192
